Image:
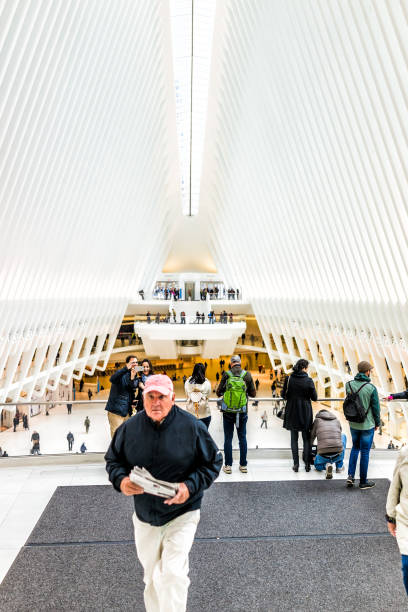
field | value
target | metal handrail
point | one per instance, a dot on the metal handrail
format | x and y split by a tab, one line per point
178	399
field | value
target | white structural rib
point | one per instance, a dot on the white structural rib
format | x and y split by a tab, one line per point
88	179
305	177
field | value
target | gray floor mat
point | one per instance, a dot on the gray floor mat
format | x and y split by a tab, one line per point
253	509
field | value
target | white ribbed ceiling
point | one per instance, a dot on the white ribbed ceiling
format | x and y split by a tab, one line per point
303	192
307	146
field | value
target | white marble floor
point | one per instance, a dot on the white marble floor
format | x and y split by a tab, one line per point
25	491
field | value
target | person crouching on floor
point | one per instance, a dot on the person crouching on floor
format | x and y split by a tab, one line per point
331	443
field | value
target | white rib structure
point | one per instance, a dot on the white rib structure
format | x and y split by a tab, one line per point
305	177
304	182
89	179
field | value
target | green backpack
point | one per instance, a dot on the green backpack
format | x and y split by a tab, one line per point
235	396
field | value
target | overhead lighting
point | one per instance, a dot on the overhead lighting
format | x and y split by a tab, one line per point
192	31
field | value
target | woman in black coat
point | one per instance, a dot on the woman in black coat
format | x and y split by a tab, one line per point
298	391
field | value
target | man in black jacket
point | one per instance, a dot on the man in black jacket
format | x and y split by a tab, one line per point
233	418
173	446
122	393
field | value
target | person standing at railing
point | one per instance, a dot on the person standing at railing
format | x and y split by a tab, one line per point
362	434
198	389
299	392
124	384
235	387
397	510
146	372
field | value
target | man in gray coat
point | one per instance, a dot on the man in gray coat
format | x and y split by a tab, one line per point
331	443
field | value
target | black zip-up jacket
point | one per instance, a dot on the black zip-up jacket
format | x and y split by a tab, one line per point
180	449
122	392
402	395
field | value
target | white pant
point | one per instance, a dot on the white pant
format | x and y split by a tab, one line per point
163	553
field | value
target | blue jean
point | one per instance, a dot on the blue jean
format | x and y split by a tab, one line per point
362	441
229	424
404	559
320	462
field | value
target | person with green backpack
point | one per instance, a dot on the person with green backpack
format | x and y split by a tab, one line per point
235	387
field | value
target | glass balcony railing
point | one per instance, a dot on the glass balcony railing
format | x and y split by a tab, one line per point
54	420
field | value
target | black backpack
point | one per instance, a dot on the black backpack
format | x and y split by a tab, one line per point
353	406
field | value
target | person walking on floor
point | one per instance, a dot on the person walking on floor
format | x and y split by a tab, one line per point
264	418
90	394
122	393
397	510
331	443
69	408
198	389
176	447
257	385
25	421
299	392
87	424
35	439
70	438
362	434
16	421
235	387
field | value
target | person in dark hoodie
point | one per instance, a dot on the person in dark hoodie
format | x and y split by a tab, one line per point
331	443
298	391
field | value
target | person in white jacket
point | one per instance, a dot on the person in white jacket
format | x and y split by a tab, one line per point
198	389
397	509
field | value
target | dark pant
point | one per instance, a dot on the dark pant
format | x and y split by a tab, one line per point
294	437
404	559
206	421
264	423
362	441
69	445
229	423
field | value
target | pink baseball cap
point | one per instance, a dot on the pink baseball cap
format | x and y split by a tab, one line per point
160	383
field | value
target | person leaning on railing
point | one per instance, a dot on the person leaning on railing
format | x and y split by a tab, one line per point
398	396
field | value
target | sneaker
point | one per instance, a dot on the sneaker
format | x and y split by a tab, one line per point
329	471
339	470
350	481
369	484
243	469
227	469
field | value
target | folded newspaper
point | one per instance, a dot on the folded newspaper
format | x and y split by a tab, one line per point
161	488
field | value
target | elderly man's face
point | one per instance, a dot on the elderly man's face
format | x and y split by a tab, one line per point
157	405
